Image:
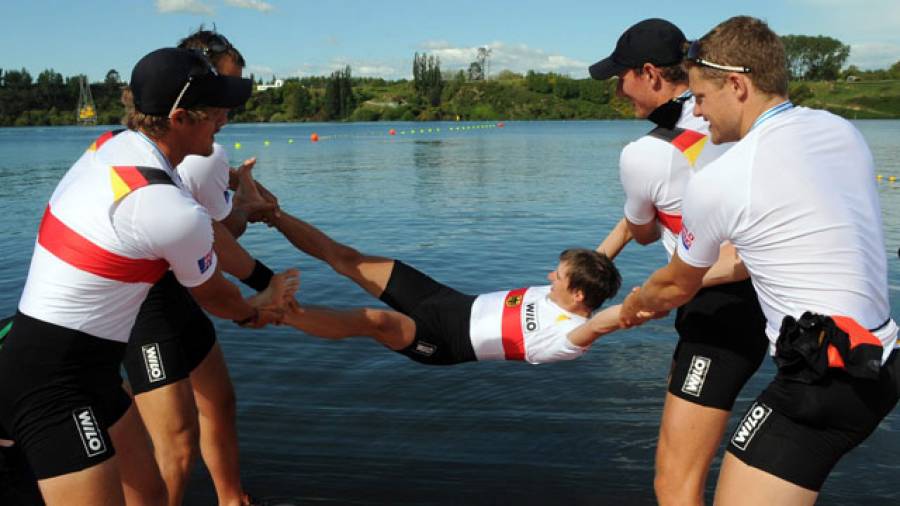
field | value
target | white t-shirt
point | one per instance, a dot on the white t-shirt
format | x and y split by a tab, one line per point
654	172
206	177
98	253
797	198
523	325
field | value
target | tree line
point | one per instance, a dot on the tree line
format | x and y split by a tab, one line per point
432	94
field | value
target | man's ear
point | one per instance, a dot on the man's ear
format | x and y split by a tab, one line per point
179	116
578	295
739	84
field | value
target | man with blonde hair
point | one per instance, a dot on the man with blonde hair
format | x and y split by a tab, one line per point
796	196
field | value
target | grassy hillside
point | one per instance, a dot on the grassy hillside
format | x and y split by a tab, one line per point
861	100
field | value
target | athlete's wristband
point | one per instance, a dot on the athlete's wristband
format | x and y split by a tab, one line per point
248	320
260	278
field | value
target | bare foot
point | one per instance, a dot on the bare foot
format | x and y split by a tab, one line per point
280	291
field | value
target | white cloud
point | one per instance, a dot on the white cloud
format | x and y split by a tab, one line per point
258	5
873	55
188	6
516	57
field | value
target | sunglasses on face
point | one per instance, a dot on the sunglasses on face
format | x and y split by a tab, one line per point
693	56
201	68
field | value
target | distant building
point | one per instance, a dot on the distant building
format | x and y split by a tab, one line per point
263	87
852	79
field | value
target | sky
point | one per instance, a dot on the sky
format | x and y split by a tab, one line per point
378	38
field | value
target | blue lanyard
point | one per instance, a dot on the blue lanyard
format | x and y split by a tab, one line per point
684	96
159	153
778	109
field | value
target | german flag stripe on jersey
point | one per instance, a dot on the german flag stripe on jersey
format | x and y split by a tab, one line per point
79	252
689	142
511	326
103	138
126	179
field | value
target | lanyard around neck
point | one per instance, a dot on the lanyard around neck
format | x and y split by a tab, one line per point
774	111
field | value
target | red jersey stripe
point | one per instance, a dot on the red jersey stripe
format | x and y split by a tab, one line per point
79	252
670	221
513	338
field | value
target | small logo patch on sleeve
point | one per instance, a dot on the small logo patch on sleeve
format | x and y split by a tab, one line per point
687	238
206	262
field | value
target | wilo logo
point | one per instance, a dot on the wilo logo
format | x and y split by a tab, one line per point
693	383
91	438
153	362
427	349
751	423
531	320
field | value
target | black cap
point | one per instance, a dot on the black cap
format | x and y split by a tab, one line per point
160	77
655	41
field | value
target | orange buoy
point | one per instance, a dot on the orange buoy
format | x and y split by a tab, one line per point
392	132
500	125
314	137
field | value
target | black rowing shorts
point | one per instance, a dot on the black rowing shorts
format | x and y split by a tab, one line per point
722	342
441	315
170	338
60	391
798	431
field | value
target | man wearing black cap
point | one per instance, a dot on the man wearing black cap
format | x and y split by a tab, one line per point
116	223
721	331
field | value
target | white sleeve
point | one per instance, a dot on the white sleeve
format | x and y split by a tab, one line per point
706	209
556	347
642	176
206	177
181	234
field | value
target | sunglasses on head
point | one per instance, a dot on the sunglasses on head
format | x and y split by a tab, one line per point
693	56
201	67
217	44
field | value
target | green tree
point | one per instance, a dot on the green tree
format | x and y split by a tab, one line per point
537	82
814	58
427	80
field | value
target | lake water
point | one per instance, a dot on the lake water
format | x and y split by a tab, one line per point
482	209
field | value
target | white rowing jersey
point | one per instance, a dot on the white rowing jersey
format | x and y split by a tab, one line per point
655	169
109	232
206	177
797	197
523	324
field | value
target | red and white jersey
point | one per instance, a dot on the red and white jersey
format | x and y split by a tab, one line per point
108	234
523	324
206	177
655	169
798	199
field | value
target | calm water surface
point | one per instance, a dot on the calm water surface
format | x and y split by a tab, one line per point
481	209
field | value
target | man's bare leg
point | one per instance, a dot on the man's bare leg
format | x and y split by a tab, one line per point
216	406
689	436
369	272
169	415
740	485
390	328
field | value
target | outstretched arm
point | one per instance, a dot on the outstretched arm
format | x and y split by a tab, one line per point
617	238
606	322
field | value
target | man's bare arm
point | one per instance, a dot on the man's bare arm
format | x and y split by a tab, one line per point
668	288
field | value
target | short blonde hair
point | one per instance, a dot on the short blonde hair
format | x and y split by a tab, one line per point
749	42
153	126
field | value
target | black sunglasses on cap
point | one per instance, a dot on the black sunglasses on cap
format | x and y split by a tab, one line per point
200	68
693	56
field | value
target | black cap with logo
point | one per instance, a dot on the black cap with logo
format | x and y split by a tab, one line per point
184	77
654	40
